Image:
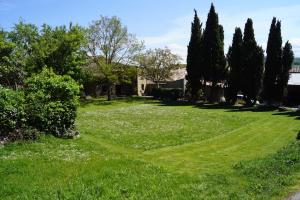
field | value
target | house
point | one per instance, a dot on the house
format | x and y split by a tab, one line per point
177	80
94	83
293	95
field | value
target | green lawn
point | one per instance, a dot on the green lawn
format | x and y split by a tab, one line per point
144	149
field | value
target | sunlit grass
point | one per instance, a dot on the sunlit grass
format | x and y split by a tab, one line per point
137	148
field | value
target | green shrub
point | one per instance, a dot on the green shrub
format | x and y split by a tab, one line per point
12	115
167	93
51	102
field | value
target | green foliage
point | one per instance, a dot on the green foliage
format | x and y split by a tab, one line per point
51	102
60	48
253	64
296	61
234	58
194	68
287	62
271	90
167	93
214	61
11	74
12	115
112	49
158	65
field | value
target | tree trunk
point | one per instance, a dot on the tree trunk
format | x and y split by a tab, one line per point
249	102
157	85
212	96
109	92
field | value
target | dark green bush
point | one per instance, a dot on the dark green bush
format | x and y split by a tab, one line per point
167	93
12	115
51	102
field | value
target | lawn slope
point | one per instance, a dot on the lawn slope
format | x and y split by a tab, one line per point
145	149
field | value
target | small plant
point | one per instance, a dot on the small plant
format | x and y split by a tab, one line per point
51	102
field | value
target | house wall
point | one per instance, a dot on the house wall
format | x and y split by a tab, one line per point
179	84
141	86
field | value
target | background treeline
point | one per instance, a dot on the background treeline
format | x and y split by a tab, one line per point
244	70
42	71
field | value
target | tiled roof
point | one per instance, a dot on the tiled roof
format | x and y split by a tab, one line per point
178	74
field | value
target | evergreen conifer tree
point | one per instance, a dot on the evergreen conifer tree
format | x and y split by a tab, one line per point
253	65
214	61
234	58
194	68
287	62
271	93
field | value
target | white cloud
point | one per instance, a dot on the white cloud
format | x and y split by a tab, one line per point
172	36
178	49
177	38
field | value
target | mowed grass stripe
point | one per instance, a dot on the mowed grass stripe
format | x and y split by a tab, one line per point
222	152
155	126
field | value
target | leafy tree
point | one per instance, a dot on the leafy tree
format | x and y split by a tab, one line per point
11	75
273	64
158	65
287	62
214	61
112	49
25	37
234	58
253	65
194	67
60	48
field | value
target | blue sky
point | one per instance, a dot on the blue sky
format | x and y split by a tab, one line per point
160	23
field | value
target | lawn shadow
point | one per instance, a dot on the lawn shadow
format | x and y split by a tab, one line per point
214	106
173	103
293	114
102	101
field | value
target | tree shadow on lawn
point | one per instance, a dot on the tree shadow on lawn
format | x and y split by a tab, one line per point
293	114
221	106
102	101
87	102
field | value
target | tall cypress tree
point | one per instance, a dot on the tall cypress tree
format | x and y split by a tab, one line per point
273	65
253	64
234	58
287	62
194	68
214	61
